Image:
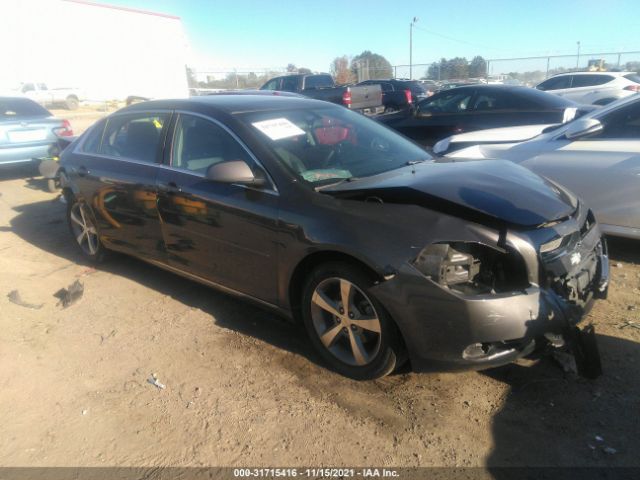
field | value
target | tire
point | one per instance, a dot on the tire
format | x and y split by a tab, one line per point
361	342
84	232
52	185
72	103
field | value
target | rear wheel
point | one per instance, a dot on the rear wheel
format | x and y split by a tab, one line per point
347	325
84	231
71	103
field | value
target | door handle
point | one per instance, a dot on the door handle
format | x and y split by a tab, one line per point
169	187
82	171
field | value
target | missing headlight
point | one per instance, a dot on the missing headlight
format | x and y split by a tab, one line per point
472	268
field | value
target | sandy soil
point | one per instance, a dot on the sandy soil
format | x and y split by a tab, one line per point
244	389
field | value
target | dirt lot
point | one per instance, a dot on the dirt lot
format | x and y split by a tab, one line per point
243	388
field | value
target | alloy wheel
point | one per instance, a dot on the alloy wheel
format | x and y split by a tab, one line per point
346	321
83	228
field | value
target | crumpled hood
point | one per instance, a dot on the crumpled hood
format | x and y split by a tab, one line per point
497	190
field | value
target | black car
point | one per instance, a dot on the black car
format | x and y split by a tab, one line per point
477	107
399	94
328	217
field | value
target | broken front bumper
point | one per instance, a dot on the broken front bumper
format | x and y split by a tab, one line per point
444	330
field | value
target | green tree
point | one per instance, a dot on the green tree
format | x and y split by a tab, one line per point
370	65
477	67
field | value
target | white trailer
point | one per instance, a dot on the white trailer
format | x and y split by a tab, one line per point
108	52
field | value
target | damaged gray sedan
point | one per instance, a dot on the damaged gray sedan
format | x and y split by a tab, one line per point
331	219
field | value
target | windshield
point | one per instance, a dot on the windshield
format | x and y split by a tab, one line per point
327	144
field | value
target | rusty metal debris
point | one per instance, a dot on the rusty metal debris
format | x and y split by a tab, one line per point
69	296
14	297
629	323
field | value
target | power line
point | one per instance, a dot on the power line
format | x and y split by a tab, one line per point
477	45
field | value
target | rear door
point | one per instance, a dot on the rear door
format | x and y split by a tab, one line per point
437	117
224	233
589	88
603	169
495	108
115	169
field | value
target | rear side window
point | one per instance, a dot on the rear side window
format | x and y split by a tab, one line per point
634	77
290	84
488	101
451	102
590	80
386	87
318	81
135	137
91	143
556	83
199	143
21	108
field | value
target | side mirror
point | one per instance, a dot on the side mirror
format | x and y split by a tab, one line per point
235	171
422	113
582	127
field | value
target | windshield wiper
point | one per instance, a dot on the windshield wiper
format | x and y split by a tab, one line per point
415	162
335	184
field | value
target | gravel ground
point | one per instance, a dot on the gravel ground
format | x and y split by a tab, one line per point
244	389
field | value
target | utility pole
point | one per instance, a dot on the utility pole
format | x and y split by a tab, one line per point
578	57
413	22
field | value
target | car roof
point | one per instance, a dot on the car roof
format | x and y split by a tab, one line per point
615	74
230	104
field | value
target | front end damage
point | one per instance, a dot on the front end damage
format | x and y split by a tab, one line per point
469	304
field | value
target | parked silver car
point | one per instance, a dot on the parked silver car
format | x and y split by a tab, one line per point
596	156
28	131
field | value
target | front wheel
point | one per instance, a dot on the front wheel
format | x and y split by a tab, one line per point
347	325
83	229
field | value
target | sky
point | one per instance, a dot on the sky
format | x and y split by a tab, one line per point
257	35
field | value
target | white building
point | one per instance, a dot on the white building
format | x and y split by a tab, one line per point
108	52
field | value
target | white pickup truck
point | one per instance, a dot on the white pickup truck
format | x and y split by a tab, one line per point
49	97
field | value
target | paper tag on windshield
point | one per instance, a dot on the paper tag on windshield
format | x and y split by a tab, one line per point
278	128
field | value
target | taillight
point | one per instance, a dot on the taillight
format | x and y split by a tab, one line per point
407	95
633	88
346	98
65	130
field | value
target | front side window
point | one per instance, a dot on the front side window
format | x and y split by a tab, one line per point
199	143
323	145
622	123
452	102
135	137
272	84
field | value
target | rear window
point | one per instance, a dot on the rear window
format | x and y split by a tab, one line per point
634	77
21	108
318	81
416	87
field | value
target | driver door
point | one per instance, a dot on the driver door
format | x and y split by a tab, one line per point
224	233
